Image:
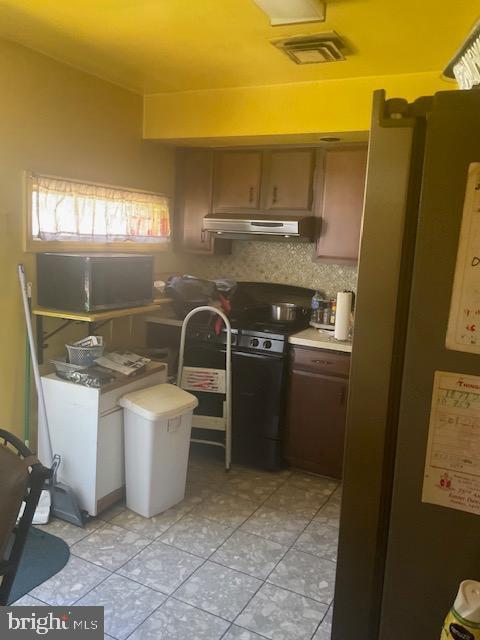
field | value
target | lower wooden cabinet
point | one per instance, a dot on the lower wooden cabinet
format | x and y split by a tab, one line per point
316	414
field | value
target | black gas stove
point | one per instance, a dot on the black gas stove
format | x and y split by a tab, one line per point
259	339
259	359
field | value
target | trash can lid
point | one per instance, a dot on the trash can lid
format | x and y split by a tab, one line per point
160	401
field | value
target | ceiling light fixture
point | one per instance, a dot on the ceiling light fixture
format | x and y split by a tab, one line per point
283	12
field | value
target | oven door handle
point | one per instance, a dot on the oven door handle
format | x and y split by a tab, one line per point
258	356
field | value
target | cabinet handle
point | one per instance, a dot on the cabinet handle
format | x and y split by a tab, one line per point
264	224
321	362
275	195
250	194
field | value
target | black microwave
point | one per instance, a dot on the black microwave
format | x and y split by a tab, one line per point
94	282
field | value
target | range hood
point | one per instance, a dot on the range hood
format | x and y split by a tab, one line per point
247	226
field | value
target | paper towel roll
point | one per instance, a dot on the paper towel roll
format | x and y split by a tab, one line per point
343	314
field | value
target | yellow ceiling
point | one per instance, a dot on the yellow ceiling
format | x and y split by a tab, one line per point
155	46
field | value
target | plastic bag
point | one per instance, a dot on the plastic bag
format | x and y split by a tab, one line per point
189	292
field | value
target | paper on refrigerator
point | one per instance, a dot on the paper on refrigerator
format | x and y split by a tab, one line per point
463	333
452	465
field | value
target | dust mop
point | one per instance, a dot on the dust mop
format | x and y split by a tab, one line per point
64	503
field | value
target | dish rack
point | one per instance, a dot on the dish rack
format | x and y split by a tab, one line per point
84	356
65	369
79	359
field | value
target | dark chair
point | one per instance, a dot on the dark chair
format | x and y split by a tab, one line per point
22	478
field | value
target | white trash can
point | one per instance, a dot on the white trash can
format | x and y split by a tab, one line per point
158	423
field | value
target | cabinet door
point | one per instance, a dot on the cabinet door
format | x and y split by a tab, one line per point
237	177
194	200
316	422
342	203
289	184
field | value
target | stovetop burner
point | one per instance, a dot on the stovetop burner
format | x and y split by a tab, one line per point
252	327
257	336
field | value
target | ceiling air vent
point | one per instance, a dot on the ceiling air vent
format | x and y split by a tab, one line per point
314	48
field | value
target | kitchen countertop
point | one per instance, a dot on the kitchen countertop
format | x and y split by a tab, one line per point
164	319
319	340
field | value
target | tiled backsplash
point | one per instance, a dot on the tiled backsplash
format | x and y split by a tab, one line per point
283	262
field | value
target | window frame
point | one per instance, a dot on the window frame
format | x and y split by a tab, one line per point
32	245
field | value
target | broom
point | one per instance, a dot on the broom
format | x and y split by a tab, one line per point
64	504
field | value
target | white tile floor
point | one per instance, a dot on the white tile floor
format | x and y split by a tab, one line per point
247	555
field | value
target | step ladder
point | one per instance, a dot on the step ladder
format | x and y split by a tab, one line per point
215	381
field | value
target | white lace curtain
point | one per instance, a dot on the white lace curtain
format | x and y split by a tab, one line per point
72	211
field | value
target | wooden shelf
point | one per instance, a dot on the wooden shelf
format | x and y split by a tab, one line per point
94	320
99	316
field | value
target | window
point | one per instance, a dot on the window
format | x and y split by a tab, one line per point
70	211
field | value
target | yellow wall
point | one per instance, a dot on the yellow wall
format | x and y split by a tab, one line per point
307	107
57	120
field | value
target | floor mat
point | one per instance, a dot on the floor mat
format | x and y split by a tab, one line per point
44	555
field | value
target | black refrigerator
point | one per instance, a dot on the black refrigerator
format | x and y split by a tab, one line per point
401	559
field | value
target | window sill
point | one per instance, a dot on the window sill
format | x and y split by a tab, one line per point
51	246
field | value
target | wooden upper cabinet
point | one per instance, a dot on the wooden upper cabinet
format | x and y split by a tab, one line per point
193	202
237	180
276	181
341	207
289	180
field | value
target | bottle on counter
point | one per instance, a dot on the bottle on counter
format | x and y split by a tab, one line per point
326	313
333	312
316	305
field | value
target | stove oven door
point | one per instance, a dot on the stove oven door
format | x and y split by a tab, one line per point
258	409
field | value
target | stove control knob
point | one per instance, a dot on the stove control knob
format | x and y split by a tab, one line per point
267	344
254	342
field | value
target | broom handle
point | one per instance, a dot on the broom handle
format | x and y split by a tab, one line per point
33	354
26	389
